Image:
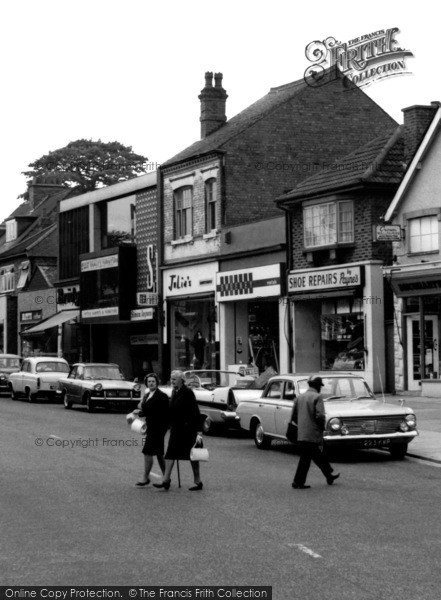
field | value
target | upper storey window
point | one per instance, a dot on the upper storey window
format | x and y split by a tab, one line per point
183	198
210	205
423	234
328	223
11	230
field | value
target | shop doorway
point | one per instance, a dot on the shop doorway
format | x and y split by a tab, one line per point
414	350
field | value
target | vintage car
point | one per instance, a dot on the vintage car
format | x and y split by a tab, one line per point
354	417
8	364
98	384
215	395
37	378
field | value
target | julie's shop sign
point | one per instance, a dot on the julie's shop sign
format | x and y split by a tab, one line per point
324	279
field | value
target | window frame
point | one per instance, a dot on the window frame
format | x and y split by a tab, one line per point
11	230
210	191
338	224
7	278
434	217
183	215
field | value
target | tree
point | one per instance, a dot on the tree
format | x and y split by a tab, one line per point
87	164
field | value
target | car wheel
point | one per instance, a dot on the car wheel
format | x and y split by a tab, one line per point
398	451
207	426
262	441
30	397
67	403
14	394
90	405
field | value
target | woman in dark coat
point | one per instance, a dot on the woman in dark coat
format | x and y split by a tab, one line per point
155	408
185	431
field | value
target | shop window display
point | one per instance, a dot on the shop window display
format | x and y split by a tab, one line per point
194	334
263	338
342	336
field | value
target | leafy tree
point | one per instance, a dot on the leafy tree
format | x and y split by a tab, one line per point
87	164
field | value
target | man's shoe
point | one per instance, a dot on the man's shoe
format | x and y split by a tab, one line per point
332	478
165	485
143	483
296	486
196	487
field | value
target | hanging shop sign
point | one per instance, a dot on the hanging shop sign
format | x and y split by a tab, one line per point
387	233
248	284
146	299
324	279
142	314
194	279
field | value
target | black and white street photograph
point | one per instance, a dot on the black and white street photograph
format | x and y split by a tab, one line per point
220	301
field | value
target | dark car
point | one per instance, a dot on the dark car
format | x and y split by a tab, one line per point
8	364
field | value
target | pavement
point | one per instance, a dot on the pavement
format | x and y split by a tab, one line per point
427	446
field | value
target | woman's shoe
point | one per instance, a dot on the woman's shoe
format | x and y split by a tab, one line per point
164	484
196	487
143	483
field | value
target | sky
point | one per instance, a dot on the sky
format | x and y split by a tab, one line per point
132	71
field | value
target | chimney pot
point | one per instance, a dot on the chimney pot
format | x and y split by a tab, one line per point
208	79
218	80
213	101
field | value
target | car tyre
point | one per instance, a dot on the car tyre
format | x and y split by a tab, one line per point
67	403
208	426
29	396
398	451
262	441
90	405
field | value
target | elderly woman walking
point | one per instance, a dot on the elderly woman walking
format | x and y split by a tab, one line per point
185	425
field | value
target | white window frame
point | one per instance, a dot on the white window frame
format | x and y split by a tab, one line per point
11	230
183	212
7	278
210	205
427	241
323	224
24	274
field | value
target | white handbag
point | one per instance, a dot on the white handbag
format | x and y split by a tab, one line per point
199	454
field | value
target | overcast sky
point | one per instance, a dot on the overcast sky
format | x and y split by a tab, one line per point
131	71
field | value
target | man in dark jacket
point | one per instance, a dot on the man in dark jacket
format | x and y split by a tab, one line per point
311	423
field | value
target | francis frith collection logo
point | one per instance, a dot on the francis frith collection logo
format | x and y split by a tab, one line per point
363	60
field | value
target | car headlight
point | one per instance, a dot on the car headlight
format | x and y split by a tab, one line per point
137	387
411	421
335	424
98	387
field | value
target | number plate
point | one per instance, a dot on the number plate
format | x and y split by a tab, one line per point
376	443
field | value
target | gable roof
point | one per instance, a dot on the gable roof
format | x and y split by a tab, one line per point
379	162
423	148
276	97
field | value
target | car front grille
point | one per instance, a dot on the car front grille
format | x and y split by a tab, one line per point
379	425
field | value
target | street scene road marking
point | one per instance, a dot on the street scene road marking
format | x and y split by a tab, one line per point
306	550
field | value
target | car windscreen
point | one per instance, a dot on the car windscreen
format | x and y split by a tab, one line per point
345	388
52	367
214	378
11	363
102	372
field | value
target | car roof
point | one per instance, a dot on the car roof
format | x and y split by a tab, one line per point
84	364
46	358
324	374
9	356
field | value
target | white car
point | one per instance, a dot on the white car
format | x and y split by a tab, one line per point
354	417
215	394
37	378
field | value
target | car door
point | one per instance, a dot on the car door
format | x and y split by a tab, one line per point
27	377
267	405
18	379
284	407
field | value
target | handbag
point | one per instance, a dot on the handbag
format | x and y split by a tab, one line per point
199	454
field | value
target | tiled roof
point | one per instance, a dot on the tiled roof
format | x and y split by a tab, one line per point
234	126
380	161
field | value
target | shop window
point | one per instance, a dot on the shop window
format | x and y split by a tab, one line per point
193	344
7	279
423	234
183	216
342	338
328	223
210	205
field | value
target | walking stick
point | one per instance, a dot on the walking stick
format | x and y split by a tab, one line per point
179	475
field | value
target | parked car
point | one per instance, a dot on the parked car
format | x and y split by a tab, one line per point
354	417
8	364
98	384
215	395
37	378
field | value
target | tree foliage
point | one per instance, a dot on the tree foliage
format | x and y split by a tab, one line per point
86	164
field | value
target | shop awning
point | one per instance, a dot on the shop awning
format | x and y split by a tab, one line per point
57	319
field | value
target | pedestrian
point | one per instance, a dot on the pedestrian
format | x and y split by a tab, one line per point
310	413
155	408
185	425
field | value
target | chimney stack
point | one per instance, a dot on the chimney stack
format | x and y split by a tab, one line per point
42	186
213	101
417	119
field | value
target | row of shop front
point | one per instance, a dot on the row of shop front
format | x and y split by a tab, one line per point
212	315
